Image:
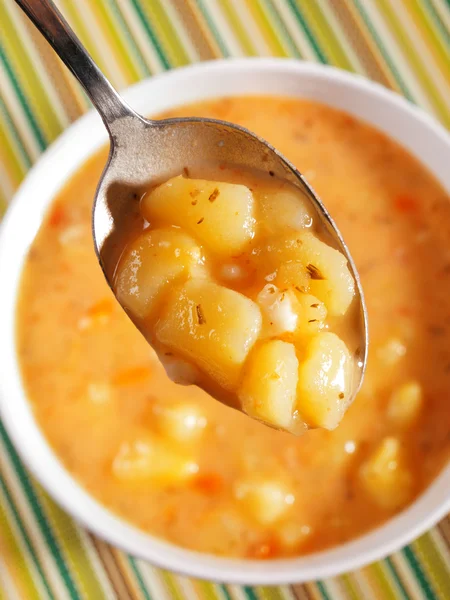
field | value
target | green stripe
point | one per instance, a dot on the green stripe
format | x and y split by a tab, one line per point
156	45
282	29
39	515
212	27
437	20
142	586
418	573
24	534
69	539
8	539
387	59
9	123
266	28
435	565
390	565
311	39
423	19
322	590
225	592
326	36
28	75
238	28
405	41
137	54
167	33
249	592
40	139
377	571
115	42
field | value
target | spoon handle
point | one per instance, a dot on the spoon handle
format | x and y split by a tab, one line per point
50	22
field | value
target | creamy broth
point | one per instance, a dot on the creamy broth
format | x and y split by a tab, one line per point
98	390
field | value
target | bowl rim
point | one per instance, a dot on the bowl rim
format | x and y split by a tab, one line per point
36	452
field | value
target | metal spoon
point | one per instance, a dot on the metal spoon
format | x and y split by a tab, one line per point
145	151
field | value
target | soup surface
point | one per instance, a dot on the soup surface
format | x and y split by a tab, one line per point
182	466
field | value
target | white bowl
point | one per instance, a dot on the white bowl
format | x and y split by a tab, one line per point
417	132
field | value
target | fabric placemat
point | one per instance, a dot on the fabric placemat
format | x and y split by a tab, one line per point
403	44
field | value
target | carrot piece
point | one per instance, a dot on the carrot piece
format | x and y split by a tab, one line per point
405	203
131	376
101	309
58	216
209	483
268	548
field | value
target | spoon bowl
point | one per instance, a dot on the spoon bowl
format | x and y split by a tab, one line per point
144	153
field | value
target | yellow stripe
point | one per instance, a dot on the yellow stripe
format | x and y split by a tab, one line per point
13	557
257	11
166	33
435	566
27	75
238	28
416	61
116	44
10	155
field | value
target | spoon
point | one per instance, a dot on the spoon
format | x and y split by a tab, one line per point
144	152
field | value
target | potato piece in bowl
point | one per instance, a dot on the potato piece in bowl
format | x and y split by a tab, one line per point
282	210
324	381
155	259
212	326
221	215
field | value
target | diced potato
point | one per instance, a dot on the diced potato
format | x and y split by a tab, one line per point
219	214
182	422
324	381
293	535
386	477
100	392
283	210
269	386
293	274
266	500
157	258
148	459
211	325
277	309
330	278
391	351
311	314
405	404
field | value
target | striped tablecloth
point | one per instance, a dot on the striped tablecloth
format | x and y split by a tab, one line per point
404	44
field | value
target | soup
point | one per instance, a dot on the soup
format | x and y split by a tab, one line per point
181	466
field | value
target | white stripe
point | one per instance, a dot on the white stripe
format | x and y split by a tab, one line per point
363	586
185	39
334	588
6	185
296	31
253	32
186	587
7	583
28	519
152	579
35	57
227	34
19	117
342	37
37	579
141	37
423	52
286	592
408	580
113	69
397	56
442	547
96	563
236	592
278	30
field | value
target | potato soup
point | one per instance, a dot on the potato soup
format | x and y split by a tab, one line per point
181	466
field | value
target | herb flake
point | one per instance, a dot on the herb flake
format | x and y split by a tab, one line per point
200	315
214	195
314	272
